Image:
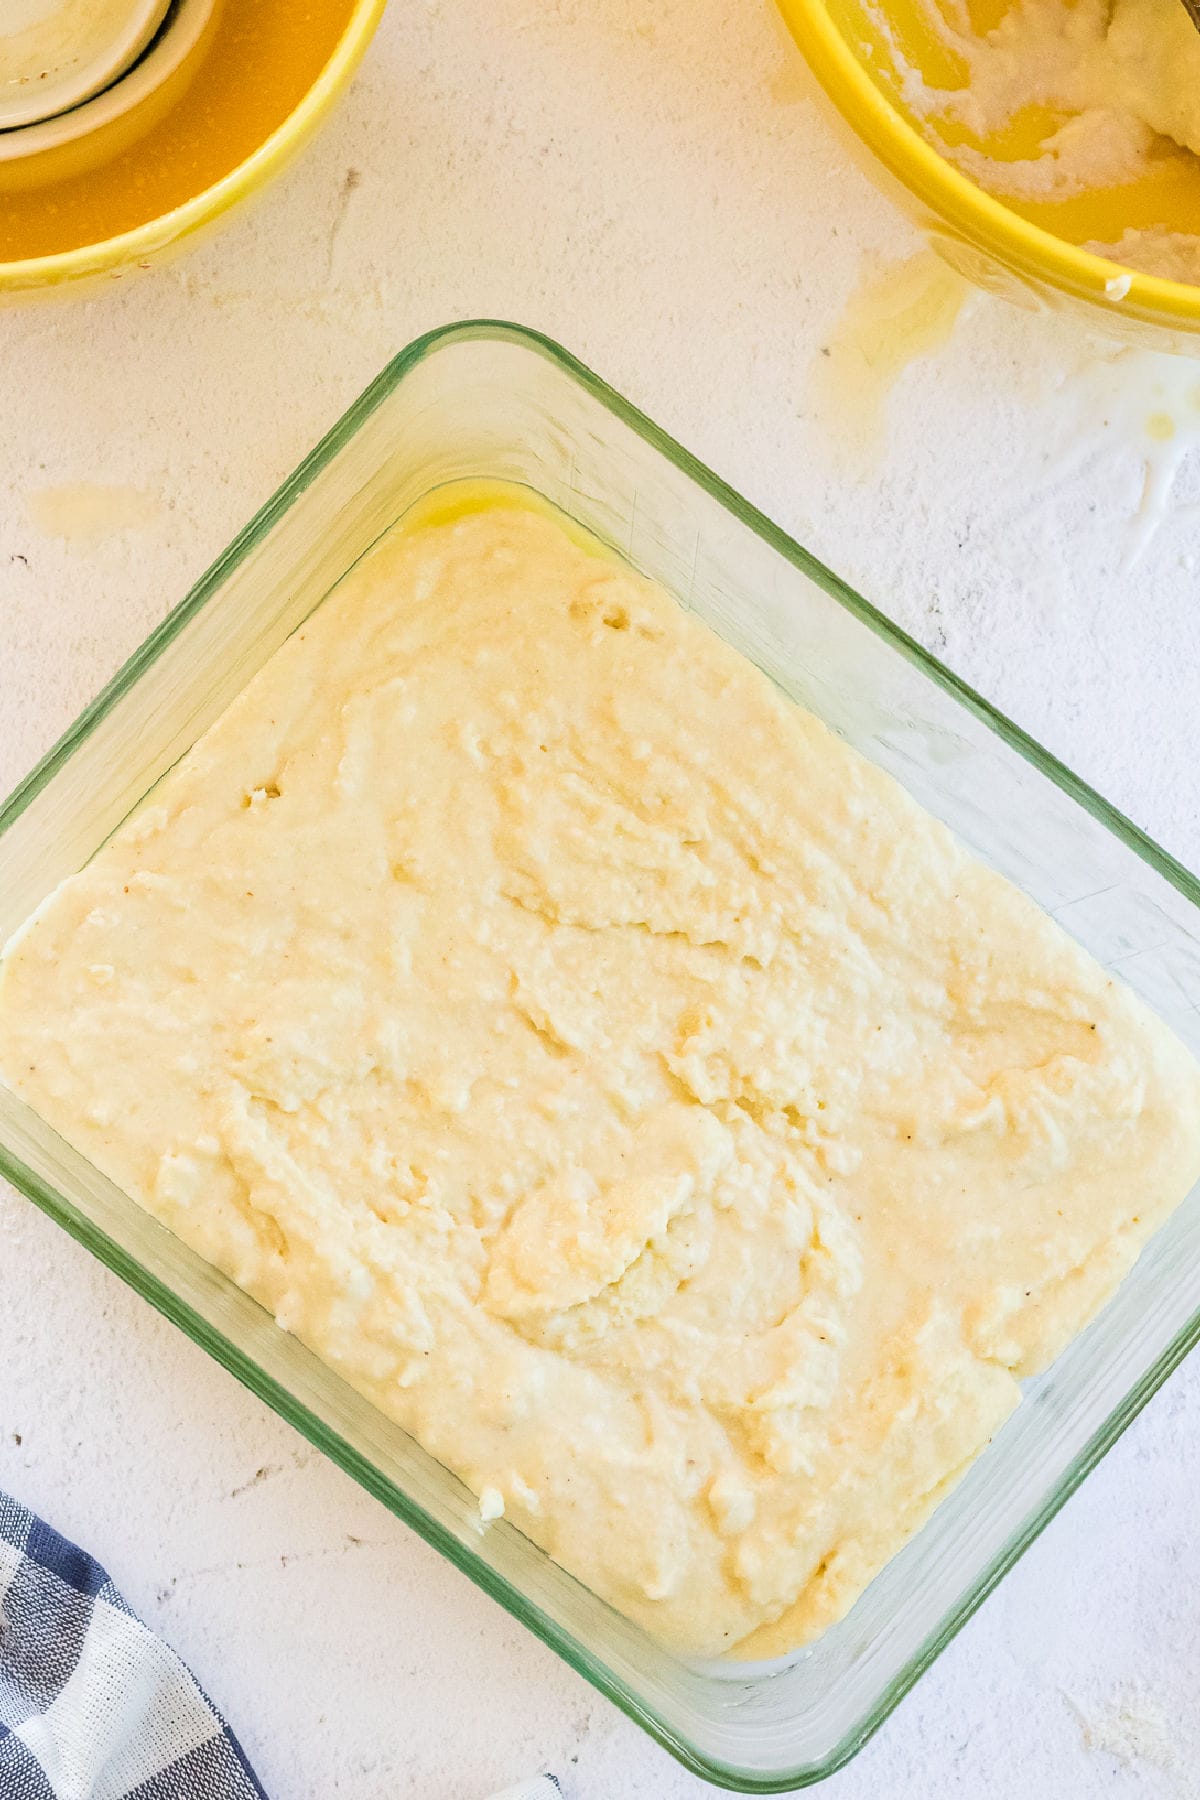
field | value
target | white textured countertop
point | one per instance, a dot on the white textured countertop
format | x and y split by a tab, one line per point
648	181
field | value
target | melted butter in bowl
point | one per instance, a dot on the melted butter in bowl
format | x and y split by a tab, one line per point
621	1082
1081	114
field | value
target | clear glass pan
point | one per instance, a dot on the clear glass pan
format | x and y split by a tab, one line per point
493	402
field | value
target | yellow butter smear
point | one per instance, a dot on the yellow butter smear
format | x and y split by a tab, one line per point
617	1079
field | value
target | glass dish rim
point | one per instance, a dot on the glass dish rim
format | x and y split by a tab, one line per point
266	1387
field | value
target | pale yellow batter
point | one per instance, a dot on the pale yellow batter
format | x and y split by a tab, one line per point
616	1078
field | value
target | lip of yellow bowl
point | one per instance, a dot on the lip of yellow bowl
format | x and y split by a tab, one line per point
134	249
961	215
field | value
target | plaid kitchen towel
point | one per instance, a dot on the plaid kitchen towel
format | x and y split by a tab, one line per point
92	1705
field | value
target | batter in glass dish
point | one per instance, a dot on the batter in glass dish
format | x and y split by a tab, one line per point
616	1078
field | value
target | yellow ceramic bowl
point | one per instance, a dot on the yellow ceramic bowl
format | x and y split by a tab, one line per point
269	73
1030	254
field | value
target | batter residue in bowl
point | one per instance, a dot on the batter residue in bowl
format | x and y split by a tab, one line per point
1061	97
618	1079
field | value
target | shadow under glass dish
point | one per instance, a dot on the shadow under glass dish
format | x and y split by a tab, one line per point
490	402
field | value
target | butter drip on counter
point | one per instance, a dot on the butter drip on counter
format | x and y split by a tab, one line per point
616	1078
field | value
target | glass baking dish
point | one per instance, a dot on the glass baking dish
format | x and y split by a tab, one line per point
494	402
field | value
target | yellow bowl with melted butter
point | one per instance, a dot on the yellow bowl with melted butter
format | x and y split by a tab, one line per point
265	76
864	54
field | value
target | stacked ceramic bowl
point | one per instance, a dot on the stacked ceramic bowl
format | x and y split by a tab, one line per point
126	125
79	82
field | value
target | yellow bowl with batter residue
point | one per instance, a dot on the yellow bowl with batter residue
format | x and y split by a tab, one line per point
269	71
1027	250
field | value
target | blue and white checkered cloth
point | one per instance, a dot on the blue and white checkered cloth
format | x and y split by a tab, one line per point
92	1705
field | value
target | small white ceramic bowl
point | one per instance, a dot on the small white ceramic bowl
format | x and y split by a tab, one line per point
55	54
87	134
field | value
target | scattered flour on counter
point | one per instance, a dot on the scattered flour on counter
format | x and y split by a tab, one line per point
1133	1728
1124	425
1142	398
1113	400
